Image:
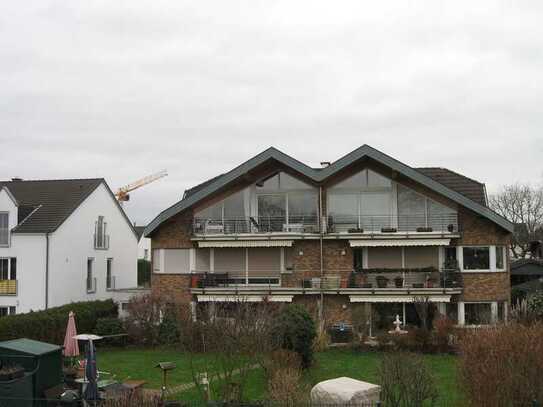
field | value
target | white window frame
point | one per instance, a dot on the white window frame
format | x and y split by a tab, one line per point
7	229
10	270
92	289
504	254
493	313
492	259
10	309
110	284
104	236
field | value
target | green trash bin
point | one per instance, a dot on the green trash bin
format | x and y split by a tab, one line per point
41	360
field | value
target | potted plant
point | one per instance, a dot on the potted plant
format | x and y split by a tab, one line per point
424	229
430	282
382	281
352	280
398	281
389	230
450	228
367	285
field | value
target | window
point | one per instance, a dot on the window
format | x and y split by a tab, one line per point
476	258
8	268
289	258
4	229
146	254
272	212
451	311
450	258
5	311
177	261
101	239
478	313
91	286
156	260
110	283
500	257
358	254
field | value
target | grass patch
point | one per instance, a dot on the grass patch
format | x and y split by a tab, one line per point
139	364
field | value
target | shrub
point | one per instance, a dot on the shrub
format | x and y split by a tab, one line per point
50	325
406	380
534	303
111	326
442	334
296	332
146	314
502	365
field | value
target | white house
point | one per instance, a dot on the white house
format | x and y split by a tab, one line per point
144	244
63	241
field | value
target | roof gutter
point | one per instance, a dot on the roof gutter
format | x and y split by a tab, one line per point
47	270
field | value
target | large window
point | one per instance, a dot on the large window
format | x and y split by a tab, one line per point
91	286
476	258
478	313
5	311
110	282
101	239
416	210
4	229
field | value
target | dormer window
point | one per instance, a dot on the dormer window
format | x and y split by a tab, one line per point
4	229
101	238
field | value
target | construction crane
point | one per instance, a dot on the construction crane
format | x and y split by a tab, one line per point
122	193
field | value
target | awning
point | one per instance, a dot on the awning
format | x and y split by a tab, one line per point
398	242
244	298
245	243
398	298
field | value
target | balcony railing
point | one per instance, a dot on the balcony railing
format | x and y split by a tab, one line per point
256	224
375	279
101	242
8	287
443	223
110	283
91	285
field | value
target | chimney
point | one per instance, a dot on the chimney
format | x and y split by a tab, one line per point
325	164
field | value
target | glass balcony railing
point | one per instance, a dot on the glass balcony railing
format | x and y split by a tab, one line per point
256	224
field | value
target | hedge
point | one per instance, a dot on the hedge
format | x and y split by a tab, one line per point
50	325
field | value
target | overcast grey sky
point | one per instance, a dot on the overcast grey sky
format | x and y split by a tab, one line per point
120	89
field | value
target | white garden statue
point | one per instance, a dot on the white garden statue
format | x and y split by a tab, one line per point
397	330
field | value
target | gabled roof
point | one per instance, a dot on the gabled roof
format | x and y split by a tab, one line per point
319	175
45	204
10	195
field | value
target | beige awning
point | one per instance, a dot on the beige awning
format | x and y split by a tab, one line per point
398	298
398	242
245	243
244	298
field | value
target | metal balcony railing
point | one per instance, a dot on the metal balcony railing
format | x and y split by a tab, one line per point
101	242
110	283
8	287
208	280
91	285
444	223
256	224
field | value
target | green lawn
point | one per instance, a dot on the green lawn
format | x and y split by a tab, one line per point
139	364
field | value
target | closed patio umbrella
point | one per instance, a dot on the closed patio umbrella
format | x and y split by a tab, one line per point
91	373
71	347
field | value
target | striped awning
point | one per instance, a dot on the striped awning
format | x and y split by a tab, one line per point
398	298
398	242
245	243
244	298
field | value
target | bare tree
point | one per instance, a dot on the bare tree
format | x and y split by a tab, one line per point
522	205
235	336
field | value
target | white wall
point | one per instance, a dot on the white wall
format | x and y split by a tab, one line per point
30	253
144	244
73	243
7	205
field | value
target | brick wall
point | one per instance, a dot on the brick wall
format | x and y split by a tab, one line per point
176	286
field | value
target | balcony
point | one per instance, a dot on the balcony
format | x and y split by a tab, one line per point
296	224
8	287
377	281
377	224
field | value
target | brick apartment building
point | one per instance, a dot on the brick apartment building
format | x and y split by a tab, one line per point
365	232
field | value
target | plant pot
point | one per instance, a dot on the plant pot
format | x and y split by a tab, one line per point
424	229
344	283
388	230
450	228
382	282
195	281
398	282
430	283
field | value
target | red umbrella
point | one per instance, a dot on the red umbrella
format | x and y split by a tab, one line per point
71	347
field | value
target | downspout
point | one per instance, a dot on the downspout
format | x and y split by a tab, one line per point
47	270
321	308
